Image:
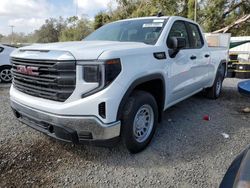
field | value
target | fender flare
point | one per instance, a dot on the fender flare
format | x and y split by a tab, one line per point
137	82
222	62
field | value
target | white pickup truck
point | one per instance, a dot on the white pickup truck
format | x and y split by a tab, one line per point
116	83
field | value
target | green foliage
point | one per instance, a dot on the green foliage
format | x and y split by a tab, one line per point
75	30
54	30
211	15
191	7
100	19
50	31
137	8
167	7
216	14
1	36
17	38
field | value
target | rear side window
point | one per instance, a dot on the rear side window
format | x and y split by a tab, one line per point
1	49
179	30
196	40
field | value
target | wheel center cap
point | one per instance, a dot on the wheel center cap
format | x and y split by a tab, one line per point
140	122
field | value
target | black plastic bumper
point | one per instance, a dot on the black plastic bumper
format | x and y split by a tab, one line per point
77	130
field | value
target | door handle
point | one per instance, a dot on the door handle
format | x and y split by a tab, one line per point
193	57
207	55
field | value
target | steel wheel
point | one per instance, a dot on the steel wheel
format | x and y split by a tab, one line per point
218	86
143	123
139	121
214	92
5	75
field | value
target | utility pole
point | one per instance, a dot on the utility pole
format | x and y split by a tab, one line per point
76	16
76	8
195	10
12	33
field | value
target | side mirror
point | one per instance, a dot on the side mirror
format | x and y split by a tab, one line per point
175	44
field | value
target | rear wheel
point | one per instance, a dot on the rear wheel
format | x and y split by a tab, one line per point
139	121
215	91
5	74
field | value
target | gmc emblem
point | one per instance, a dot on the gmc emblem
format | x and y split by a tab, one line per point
27	70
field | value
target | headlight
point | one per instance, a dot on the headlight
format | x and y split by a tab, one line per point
104	73
91	73
112	70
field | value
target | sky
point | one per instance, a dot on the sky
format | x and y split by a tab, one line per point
28	15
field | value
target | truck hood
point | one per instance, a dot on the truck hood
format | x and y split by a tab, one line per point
85	50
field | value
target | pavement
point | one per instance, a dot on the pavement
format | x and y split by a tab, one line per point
187	150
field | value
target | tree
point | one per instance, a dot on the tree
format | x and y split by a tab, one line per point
100	19
213	15
50	31
1	36
76	29
226	14
18	38
238	22
191	7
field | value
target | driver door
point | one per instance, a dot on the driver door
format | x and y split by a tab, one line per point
181	73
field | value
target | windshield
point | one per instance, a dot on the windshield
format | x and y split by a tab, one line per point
144	30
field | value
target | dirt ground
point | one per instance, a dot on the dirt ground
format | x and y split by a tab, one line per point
186	151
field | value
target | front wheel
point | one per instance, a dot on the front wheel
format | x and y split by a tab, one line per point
5	74
139	121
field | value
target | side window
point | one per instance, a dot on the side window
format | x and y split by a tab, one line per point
196	39
1	49
179	30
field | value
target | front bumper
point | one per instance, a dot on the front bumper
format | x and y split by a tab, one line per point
75	129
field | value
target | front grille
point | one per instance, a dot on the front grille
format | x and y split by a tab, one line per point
49	79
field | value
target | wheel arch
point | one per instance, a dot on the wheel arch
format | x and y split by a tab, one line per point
223	63
146	83
2	66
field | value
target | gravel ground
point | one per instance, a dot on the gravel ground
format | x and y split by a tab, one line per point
185	152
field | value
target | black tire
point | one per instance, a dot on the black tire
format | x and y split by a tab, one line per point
215	91
139	102
4	74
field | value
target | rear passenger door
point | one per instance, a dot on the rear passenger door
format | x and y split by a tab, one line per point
200	55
